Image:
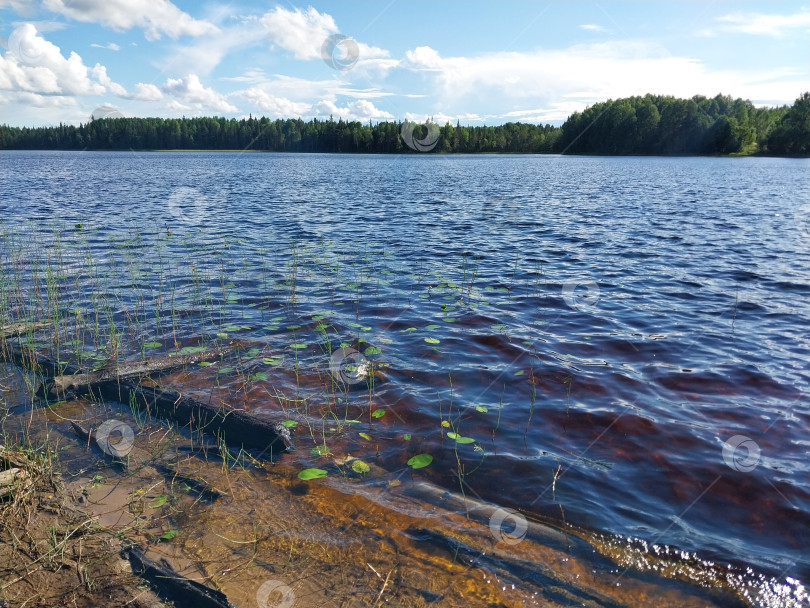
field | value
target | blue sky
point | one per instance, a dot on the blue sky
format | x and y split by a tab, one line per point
477	62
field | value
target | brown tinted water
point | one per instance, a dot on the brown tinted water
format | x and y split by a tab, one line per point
593	333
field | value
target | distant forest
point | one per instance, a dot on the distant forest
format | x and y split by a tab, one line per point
649	125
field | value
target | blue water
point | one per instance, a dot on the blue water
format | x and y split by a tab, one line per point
608	322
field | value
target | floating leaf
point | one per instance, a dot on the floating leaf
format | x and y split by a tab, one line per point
222	335
432	327
259	376
519	373
307	474
420	461
204	363
365	436
293	327
318	317
321	450
480	408
373	350
225	370
321	327
431	340
498	327
445	424
254	351
460	439
378	413
344	345
407	436
158	501
358	466
410	329
169	535
290	424
298	345
352	422
152	345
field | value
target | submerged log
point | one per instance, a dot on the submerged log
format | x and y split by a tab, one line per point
232	426
172	586
59	385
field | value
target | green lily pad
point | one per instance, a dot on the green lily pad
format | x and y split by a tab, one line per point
420	461
378	413
152	345
169	535
432	327
290	424
308	474
259	376
373	350
432	340
298	345
365	436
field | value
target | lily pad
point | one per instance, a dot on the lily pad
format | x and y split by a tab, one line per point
432	340
420	461
308	474
152	345
373	350
378	413
290	424
298	345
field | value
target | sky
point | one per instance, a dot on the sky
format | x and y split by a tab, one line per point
475	62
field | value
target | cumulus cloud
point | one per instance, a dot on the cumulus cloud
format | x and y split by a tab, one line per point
359	109
156	17
141	92
35	65
191	91
300	32
274	106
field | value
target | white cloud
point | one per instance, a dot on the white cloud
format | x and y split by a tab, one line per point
191	91
145	92
276	107
760	24
156	17
592	27
300	32
423	57
36	65
141	92
582	75
206	54
111	46
360	109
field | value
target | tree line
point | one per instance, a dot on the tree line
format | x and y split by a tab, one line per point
649	125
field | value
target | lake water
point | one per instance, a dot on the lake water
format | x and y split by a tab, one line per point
584	340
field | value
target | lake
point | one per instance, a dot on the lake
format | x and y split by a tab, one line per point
618	345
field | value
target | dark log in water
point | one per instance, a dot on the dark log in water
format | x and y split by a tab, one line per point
59	385
173	587
232	426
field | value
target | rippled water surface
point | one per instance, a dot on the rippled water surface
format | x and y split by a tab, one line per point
583	339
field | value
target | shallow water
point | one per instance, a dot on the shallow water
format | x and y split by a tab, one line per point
598	326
